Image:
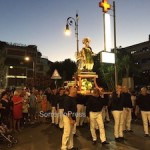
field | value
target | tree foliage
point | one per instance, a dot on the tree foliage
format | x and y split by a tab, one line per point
126	67
66	69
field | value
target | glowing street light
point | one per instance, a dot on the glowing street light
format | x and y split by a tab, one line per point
67	30
70	21
11	67
27	58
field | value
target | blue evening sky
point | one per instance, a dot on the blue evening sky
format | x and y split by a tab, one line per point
42	23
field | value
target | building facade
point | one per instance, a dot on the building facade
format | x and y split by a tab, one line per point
17	71
141	55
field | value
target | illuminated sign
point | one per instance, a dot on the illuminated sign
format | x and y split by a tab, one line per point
107	32
107	57
11	76
105	5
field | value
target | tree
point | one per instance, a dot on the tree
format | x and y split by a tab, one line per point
69	68
126	67
66	69
125	63
107	75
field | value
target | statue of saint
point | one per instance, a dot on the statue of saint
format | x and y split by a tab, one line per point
86	56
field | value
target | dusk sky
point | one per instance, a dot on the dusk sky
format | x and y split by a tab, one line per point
42	23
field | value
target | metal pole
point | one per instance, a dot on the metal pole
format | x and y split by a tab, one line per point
77	38
76	24
33	73
70	21
26	76
7	70
56	83
115	49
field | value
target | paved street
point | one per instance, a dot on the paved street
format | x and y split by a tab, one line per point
47	137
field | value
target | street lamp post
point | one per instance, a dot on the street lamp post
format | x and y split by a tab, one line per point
70	21
106	6
115	47
33	68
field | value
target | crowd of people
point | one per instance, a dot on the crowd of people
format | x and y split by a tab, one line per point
69	110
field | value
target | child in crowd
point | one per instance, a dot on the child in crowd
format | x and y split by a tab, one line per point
38	107
25	111
45	107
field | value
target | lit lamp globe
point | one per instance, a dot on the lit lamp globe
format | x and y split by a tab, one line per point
27	58
67	30
11	67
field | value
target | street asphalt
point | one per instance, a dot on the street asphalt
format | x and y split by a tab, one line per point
47	137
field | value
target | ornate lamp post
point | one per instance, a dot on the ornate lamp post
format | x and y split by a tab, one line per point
70	22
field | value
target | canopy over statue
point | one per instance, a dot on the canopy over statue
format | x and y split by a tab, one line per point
85	56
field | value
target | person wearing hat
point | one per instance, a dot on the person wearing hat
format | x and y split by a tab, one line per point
87	55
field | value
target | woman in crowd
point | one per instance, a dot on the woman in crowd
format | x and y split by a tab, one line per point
17	110
45	106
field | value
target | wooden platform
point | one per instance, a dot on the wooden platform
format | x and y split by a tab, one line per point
90	77
86	74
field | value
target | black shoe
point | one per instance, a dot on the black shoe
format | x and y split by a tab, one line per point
56	125
75	135
61	129
81	126
104	143
107	121
52	124
117	139
122	138
125	131
146	135
74	148
94	142
130	131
